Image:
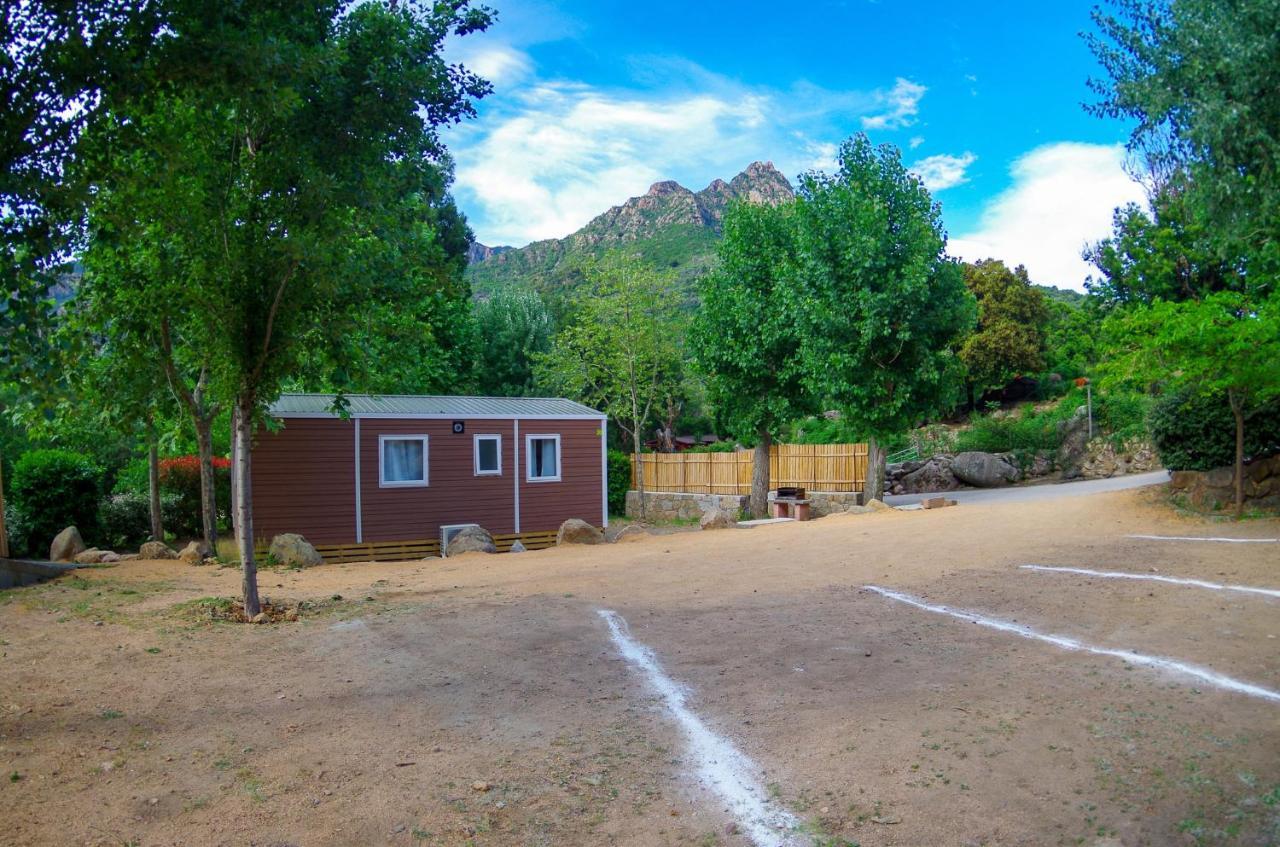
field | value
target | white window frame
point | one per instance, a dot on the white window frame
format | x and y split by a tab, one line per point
528	463
411	483
475	451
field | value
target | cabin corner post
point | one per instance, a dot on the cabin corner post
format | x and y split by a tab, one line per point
515	445
604	473
359	509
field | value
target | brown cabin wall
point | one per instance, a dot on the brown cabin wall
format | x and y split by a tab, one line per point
304	480
546	505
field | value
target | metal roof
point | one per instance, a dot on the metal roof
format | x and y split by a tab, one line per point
418	406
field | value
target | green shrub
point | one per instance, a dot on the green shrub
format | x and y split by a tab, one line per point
15	526
133	478
1027	430
125	519
53	489
1122	416
180	477
1197	432
619	481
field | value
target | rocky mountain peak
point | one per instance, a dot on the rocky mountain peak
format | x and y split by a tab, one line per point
667	186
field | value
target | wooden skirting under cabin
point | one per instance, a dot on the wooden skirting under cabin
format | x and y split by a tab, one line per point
400	551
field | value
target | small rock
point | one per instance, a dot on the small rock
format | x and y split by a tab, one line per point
261	617
66	545
195	553
480	785
577	531
156	550
517	546
472	539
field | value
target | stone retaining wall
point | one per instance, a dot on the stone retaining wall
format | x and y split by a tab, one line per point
1216	489
666	506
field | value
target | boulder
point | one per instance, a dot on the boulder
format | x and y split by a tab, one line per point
473	539
1073	439
878	505
294	551
983	470
576	531
933	475
635	532
130	557
717	518
1041	464
66	545
195	553
110	557
92	556
156	550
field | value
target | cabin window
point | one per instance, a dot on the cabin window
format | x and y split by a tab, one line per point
543	458
488	449
402	461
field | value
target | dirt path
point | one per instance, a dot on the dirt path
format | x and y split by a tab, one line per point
481	700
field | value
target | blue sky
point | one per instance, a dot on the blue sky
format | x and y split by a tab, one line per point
594	101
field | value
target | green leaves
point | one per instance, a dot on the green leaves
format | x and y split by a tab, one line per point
624	347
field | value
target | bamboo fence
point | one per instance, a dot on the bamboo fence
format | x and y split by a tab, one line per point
817	467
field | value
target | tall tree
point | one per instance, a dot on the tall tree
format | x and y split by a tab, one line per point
299	144
883	306
619	352
512	327
1223	344
1012	314
1197	80
747	334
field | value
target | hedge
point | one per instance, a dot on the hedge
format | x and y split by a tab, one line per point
51	490
1197	432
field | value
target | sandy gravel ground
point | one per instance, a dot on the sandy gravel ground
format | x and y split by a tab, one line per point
481	701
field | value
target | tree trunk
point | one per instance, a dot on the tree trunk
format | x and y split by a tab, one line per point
760	475
1237	409
153	483
208	501
4	531
232	510
635	438
244	505
874	487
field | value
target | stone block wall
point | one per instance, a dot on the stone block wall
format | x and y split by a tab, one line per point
666	506
1216	489
822	503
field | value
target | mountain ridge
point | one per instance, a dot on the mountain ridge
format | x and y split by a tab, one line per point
670	225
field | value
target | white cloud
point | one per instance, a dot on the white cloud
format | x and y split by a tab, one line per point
498	63
903	103
1062	198
570	151
915	141
941	172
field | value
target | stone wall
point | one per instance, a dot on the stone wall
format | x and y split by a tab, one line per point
832	502
1096	459
665	506
1216	489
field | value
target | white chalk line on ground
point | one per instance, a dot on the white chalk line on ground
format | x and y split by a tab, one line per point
1207	538
728	771
1159	662
1172	580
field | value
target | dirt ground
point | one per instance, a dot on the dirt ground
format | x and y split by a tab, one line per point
479	700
